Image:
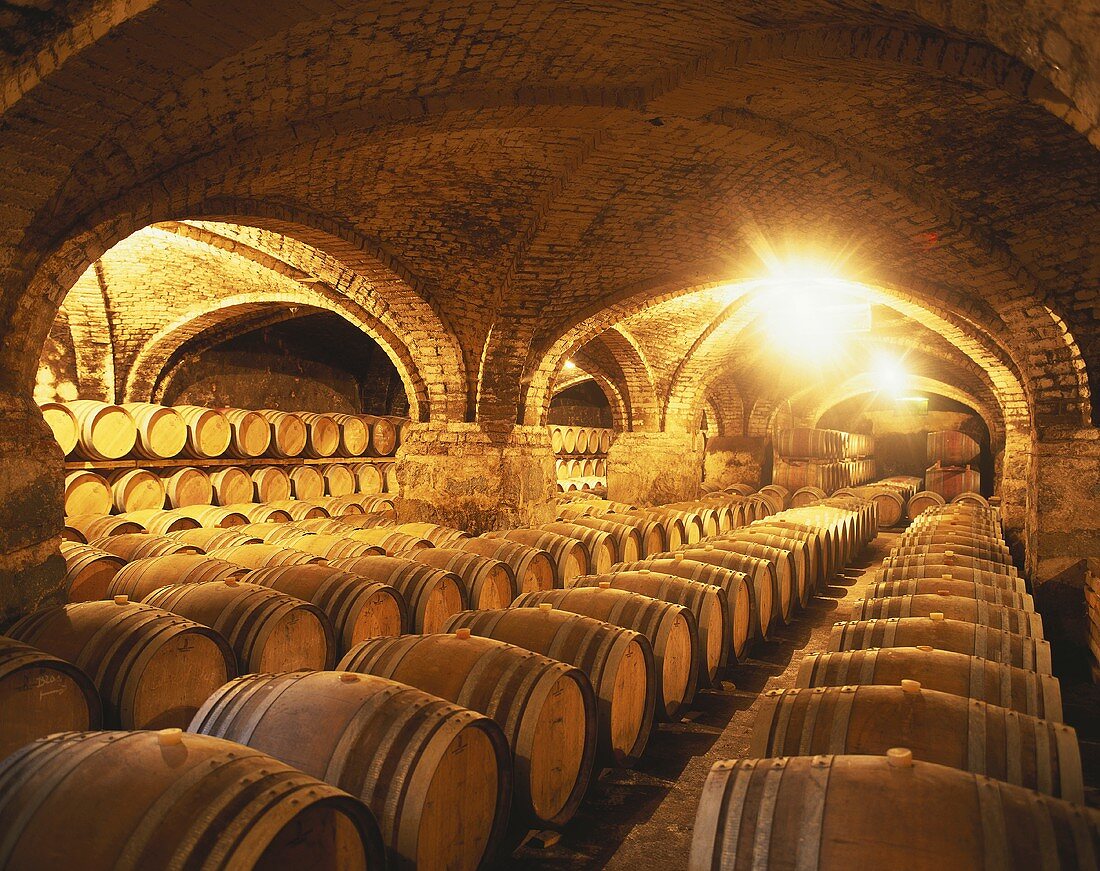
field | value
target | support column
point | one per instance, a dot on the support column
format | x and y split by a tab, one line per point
1016	488
735	460
476	476
650	468
31	510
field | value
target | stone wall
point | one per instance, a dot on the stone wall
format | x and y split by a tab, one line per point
650	468
736	460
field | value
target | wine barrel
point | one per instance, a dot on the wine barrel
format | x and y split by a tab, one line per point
673	527
736	586
88	527
188	486
383	436
618	662
359	609
440	536
570	555
670	628
812	545
532	568
433	596
778	495
339	479
152	668
792	566
213	538
937	727
350	505
210	515
270	483
970	498
935	565
208	432
137	490
546	708
986	547
436	776
250	433
262	556
306	482
299	509
954	607
761	574
259	513
137	579
386	538
132	801
389	473
968	589
322	434
691	523
957	636
269	631
157	522
107	432
922	500
806	496
87	493
63	424
569	439
161	430
628	540
904	572
89	571
142	545
330	547
653	535
368	478
489	583
961	553
40	695
232	485
707	602
288	433
802	812
354	434
601	546
1025	691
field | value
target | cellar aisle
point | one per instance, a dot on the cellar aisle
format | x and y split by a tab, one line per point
642	818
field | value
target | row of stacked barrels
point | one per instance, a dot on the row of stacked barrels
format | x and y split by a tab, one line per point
230	631
122	491
937	702
827	459
581	457
100	431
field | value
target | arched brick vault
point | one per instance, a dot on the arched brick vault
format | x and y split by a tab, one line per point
677	83
610	390
93	342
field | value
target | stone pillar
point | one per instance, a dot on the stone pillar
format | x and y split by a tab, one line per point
651	468
31	511
734	460
1015	488
1067	493
476	476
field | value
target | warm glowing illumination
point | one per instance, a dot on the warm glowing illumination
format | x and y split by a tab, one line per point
569	364
891	377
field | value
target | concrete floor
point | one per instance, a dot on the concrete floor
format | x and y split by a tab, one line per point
642	818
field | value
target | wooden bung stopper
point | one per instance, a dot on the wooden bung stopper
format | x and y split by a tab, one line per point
925	647
605	585
122	600
948	577
462	633
936	615
169	737
546	606
910	686
900	757
348	677
943	592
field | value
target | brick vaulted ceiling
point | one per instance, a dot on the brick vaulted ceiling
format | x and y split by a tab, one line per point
494	185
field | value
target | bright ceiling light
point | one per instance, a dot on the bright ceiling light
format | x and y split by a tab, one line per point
569	364
890	376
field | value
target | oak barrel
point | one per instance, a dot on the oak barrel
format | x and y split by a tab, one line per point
141	545
850	812
972	639
954	607
489	583
136	490
532	567
152	669
629	544
951	586
92	526
250	433
89	571
618	662
354	434
972	677
670	628
134	801
107	432
761	574
40	695
288	433
208	432
161	430
358	608
322	434
570	555
188	486
433	596
546	708
262	556
63	424
368	478
269	631
212	538
231	485
306	482
937	727
339	479
271	483
436	776
137	579
440	536
87	493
